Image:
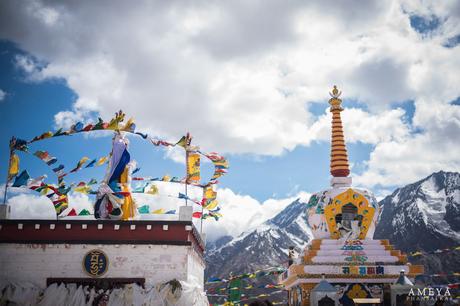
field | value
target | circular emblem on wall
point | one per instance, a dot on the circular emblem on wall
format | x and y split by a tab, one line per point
95	263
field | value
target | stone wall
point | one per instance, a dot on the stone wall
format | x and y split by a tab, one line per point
156	263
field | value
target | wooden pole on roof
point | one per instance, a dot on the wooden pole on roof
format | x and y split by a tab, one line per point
7	177
8	170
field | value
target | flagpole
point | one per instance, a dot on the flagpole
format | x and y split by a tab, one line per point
186	175
7	176
201	219
186	167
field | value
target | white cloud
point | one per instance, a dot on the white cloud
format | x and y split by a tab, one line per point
2	95
47	15
176	154
412	157
27	204
66	119
240	212
239	76
80	201
362	126
31	68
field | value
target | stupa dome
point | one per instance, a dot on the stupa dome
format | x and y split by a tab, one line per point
343	212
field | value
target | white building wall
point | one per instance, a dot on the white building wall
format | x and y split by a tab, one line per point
195	267
156	263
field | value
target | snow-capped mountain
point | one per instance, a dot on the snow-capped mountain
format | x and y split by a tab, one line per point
421	216
424	215
266	246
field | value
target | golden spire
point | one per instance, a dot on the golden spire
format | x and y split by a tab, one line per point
339	156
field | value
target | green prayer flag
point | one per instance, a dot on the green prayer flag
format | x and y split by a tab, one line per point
144	209
84	212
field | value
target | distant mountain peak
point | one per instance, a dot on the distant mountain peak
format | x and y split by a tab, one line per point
424	215
265	246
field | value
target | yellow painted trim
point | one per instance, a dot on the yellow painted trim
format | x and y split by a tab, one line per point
339	167
296	269
403	258
316	242
341	155
416	269
349	196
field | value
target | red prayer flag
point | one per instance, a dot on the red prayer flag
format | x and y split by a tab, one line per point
88	128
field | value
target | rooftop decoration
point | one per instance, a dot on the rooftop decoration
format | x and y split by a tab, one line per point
113	192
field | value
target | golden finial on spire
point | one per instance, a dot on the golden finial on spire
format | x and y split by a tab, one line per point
335	92
335	101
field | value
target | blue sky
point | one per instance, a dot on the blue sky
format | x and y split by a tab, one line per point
253	89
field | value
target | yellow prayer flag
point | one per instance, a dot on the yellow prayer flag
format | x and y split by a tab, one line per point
193	167
14	166
129	125
223	163
83	189
82	161
47	134
153	190
211	205
45	190
101	161
182	142
115	121
209	193
159	211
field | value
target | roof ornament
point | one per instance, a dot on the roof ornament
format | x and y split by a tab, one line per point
335	102
335	92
